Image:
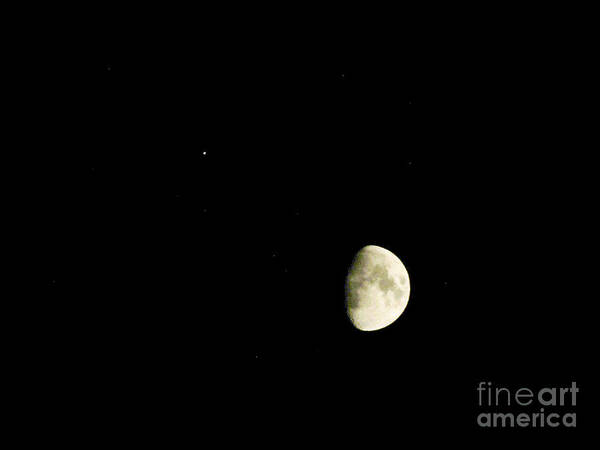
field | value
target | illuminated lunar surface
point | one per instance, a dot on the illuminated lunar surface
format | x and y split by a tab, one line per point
377	288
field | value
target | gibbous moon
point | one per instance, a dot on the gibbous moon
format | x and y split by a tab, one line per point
377	288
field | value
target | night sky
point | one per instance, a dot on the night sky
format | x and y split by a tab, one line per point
207	183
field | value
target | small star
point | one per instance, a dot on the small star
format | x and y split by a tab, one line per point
108	67
343	75
204	153
410	163
204	210
177	195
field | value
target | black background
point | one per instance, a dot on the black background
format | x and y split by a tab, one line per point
208	179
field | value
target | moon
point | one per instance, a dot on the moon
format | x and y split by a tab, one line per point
377	288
